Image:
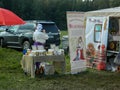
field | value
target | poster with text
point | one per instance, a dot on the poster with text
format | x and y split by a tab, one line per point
76	31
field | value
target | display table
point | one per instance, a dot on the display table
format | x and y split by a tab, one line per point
28	62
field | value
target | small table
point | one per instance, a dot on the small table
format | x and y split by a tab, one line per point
28	62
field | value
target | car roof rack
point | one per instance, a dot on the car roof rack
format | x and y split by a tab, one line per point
40	21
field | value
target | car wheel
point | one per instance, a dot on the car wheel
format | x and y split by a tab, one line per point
1	42
26	45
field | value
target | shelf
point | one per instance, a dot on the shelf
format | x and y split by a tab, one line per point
116	38
108	51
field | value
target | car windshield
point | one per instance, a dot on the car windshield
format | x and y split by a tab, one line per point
13	28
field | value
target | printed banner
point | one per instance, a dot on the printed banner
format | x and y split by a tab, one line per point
96	36
75	24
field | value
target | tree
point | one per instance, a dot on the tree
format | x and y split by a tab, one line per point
101	4
54	10
114	3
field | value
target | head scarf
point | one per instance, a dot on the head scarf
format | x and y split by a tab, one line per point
39	27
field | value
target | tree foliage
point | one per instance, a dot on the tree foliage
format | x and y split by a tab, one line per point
54	10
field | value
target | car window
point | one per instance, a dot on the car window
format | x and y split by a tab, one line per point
13	28
28	26
50	28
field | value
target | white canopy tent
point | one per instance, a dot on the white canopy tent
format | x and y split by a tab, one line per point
112	12
100	25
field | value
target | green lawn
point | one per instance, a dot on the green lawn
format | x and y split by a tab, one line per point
12	77
64	33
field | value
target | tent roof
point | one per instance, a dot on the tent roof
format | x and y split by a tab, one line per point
113	12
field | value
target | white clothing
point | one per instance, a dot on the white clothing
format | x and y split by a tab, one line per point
80	45
40	37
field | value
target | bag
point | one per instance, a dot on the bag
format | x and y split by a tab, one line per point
101	66
117	59
40	71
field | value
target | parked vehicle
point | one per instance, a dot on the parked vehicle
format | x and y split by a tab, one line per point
20	36
65	43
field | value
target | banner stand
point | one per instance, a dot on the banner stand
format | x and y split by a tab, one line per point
76	32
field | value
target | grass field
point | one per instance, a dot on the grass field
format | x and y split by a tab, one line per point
64	33
12	77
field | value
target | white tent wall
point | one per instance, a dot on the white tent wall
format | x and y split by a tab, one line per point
109	12
112	14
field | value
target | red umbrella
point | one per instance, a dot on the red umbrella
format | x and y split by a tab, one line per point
7	17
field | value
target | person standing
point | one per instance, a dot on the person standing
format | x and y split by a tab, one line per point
40	36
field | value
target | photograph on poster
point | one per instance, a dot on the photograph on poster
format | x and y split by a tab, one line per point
79	50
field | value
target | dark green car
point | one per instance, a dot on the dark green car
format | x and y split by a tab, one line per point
20	36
